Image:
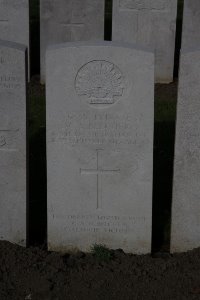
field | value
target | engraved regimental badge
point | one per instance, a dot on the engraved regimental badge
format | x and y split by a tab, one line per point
100	82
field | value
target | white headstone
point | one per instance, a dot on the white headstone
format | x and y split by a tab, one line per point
13	142
191	24
186	191
68	21
99	146
14	21
148	23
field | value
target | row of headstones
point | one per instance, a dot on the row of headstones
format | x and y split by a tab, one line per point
147	22
99	147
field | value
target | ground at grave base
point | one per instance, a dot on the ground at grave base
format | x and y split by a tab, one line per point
36	274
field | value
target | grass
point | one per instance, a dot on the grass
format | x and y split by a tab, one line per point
101	252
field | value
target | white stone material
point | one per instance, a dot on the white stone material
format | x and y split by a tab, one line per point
186	190
99	146
148	23
191	24
69	21
14	21
13	142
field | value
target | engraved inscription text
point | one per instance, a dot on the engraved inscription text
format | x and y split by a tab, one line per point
102	223
99	129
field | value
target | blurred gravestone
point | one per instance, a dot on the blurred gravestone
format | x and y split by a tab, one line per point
186	190
99	146
68	21
14	21
148	23
13	142
191	24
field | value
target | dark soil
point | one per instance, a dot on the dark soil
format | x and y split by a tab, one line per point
39	275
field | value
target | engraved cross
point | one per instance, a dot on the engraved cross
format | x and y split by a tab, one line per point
148	8
70	24
99	172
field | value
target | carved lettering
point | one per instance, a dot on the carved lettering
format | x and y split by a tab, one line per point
99	129
16	4
6	57
101	224
9	82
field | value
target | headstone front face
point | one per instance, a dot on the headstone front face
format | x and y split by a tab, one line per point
68	21
191	24
13	142
99	146
186	190
14	21
148	23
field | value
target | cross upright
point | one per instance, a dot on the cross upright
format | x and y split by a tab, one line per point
71	25
99	172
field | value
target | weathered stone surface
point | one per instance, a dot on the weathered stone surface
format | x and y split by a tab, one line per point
99	146
149	23
68	21
13	142
14	21
186	190
191	24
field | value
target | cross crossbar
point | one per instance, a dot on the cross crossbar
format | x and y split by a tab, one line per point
99	172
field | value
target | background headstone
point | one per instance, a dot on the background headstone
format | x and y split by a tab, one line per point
99	146
14	21
191	24
148	23
13	142
68	21
186	191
